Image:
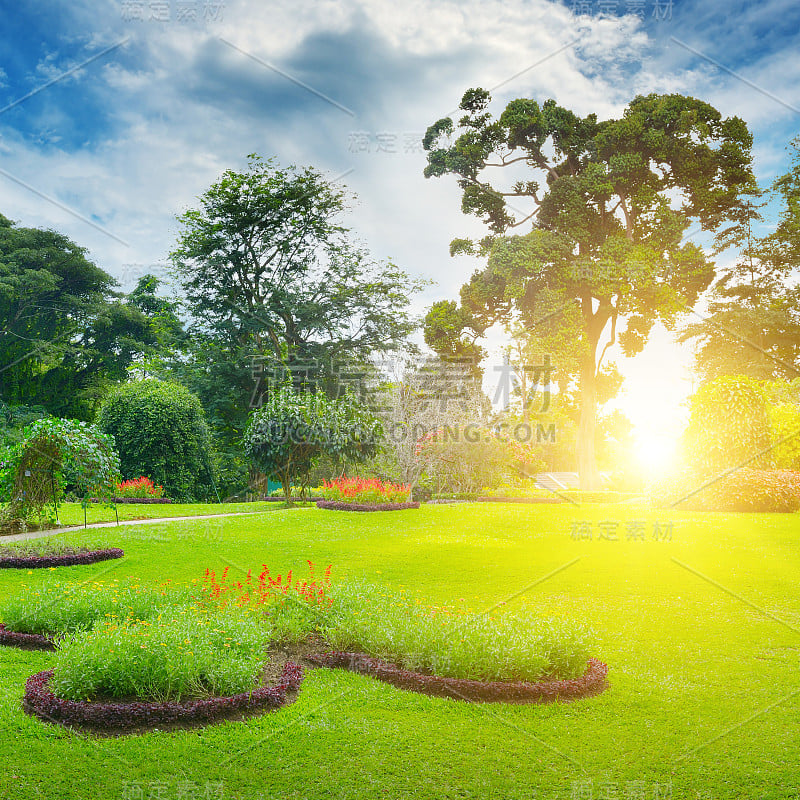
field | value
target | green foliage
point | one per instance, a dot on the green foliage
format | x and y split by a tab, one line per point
60	608
728	426
161	432
743	490
274	281
785	424
452	642
68	335
606	240
292	429
181	654
54	454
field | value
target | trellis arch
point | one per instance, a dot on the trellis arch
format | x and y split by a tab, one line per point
52	451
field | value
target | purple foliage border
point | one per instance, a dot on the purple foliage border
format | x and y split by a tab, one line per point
40	701
592	682
25	641
335	505
66	560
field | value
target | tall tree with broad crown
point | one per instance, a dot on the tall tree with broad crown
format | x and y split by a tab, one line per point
607	206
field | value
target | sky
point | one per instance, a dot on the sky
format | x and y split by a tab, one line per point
115	115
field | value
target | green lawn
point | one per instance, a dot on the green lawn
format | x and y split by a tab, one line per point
704	700
72	513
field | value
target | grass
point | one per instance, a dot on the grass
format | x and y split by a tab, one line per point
701	632
72	513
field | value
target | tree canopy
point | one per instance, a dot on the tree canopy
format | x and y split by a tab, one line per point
65	335
275	284
607	205
752	326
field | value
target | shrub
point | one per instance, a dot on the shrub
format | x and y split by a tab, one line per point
469	457
447	641
139	487
182	654
61	608
728	425
160	431
755	490
365	491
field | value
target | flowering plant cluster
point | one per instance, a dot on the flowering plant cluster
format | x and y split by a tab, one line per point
139	487
264	589
365	491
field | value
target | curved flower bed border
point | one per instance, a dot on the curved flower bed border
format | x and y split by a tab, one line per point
119	716
65	560
25	641
335	505
592	682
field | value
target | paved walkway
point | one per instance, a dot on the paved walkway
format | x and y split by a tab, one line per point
21	537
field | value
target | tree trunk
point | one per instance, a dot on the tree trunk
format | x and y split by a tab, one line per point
587	463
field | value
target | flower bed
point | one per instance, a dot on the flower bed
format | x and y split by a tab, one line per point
337	505
59	559
592	682
136	500
25	641
141	487
40	701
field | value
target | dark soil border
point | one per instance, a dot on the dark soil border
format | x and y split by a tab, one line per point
335	505
25	641
592	682
137	715
55	560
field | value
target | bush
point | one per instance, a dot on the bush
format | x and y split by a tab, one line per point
54	454
447	641
728	425
754	490
61	608
469	457
139	487
160	431
182	654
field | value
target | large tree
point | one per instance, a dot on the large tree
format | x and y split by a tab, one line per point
65	334
274	282
606	205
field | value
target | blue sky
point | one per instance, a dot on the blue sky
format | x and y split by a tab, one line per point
114	116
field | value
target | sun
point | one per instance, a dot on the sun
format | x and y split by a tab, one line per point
655	452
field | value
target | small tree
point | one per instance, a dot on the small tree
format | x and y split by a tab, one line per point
161	432
292	429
